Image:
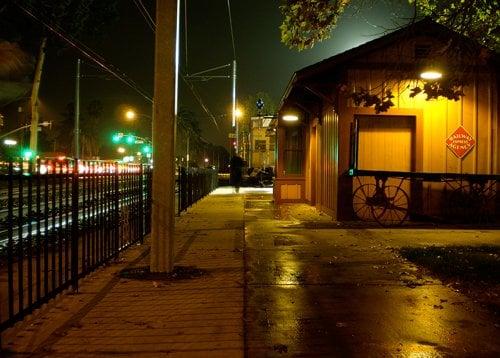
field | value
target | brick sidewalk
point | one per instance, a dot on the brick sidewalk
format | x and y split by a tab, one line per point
113	316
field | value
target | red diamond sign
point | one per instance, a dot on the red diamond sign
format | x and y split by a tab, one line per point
460	142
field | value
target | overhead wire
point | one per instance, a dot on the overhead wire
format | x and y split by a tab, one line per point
200	101
231	28
186	35
145	14
86	52
147	17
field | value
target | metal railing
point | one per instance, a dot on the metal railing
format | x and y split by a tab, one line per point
59	221
192	185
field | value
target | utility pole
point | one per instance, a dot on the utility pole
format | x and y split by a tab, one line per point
235	122
76	153
34	98
164	118
187	150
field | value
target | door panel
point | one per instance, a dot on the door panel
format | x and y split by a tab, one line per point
386	143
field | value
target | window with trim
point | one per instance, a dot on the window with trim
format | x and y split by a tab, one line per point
260	145
271	143
293	150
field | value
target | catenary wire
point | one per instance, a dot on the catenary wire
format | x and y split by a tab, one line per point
86	52
231	27
145	14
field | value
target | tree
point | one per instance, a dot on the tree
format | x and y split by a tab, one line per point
90	129
188	134
61	136
15	67
477	19
71	18
250	109
306	22
310	21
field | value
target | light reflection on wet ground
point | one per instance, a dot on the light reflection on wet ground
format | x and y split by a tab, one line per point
344	292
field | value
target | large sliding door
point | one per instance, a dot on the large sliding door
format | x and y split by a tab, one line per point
384	143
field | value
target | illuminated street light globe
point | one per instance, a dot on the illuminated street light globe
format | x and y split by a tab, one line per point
10	142
130	115
121	150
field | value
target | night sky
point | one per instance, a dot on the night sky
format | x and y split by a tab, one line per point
264	63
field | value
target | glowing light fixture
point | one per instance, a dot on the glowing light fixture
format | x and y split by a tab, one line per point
130	115
27	154
431	75
117	137
121	150
130	139
290	118
10	142
238	112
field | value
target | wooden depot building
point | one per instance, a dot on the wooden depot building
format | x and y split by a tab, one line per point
357	137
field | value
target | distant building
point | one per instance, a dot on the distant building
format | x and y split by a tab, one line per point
262	142
335	137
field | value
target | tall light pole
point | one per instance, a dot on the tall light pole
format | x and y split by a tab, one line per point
164	117
235	122
237	114
76	128
34	97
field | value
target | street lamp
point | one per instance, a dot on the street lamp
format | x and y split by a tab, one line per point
10	142
431	75
121	150
130	115
237	114
290	118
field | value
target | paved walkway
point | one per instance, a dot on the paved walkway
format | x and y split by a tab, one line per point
311	288
315	288
113	316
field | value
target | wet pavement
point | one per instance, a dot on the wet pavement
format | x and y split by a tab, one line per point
322	290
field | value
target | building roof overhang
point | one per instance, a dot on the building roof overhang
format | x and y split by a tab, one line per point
304	82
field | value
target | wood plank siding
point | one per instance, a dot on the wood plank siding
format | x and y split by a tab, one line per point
327	161
410	136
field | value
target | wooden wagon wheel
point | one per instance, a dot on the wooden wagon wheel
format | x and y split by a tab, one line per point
364	204
396	209
472	203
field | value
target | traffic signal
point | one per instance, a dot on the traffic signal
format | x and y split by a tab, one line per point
130	139
27	154
116	138
147	149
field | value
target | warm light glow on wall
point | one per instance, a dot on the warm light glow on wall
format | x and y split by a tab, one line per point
290	118
431	75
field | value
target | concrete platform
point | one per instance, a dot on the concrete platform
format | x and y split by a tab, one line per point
279	282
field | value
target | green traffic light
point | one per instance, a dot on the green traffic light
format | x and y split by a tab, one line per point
146	149
116	137
27	154
130	139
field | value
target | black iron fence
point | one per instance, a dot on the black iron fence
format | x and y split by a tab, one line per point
192	185
61	219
